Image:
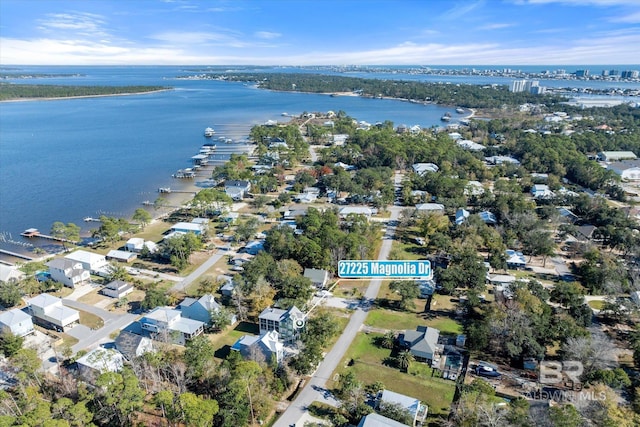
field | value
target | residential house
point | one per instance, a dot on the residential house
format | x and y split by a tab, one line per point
422	168
17	322
10	273
287	323
48	311
137	244
340	138
277	142
253	247
628	170
515	259
319	277
376	420
422	343
474	188
467	144
566	216
168	323
260	348
236	189
541	191
188	227
429	208
93	262
97	362
357	210
345	166
121	256
488	218
413	405
117	289
616	156
201	309
461	215
68	272
498	160
133	345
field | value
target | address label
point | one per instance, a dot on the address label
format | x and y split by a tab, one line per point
361	269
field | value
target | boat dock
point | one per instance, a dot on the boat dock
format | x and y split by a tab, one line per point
17	255
33	232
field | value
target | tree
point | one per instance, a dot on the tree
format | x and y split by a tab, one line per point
10	344
197	411
246	229
568	294
408	291
178	249
141	216
10	293
220	318
396	412
119	396
154	298
66	233
388	340
404	359
198	356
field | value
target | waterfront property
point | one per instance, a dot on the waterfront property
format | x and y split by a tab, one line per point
9	273
122	256
68	272
95	263
237	189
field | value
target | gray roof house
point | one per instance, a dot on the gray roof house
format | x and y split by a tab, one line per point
287	323
117	289
201	309
48	311
9	273
17	322
260	348
413	405
68	272
422	343
319	278
133	345
166	320
236	189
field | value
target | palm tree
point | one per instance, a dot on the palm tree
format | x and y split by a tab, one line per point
404	359
388	339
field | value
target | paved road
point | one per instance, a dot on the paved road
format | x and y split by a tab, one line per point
315	389
104	333
180	286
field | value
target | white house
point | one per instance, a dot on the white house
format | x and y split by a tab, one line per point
376	420
121	256
541	191
17	322
201	309
236	189
635	297
117	289
628	170
357	210
498	160
473	188
426	208
615	156
93	262
10	273
48	311
260	348
413	405
166	320
515	259
136	244
467	144
68	272
422	168
99	361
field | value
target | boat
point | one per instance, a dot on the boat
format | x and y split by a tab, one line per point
445	117
209	132
460	110
164	190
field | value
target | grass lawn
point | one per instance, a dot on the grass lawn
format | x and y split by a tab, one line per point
391	319
92	298
349	288
598	305
368	366
223	341
90	320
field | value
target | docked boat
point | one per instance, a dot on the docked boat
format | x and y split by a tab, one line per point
460	110
209	132
445	117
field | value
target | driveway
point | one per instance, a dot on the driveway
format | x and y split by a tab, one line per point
180	286
80	332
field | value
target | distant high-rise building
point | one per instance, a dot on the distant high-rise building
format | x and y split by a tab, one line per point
605	73
582	73
629	74
518	86
531	86
614	72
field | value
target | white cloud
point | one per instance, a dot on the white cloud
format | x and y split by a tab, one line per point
267	35
631	18
80	23
496	26
460	9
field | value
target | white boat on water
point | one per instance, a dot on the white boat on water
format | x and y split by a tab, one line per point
460	110
446	117
209	132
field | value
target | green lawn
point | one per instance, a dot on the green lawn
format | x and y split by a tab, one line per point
222	341
598	305
366	361
398	320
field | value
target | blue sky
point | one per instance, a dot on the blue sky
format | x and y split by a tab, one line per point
319	32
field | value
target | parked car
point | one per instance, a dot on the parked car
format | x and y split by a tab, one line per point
486	371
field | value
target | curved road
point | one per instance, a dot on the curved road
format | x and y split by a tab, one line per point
316	387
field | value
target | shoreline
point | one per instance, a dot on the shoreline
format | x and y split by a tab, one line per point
84	96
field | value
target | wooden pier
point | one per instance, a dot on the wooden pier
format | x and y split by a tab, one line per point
17	255
33	232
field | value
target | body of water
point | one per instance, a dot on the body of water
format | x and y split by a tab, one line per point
64	160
